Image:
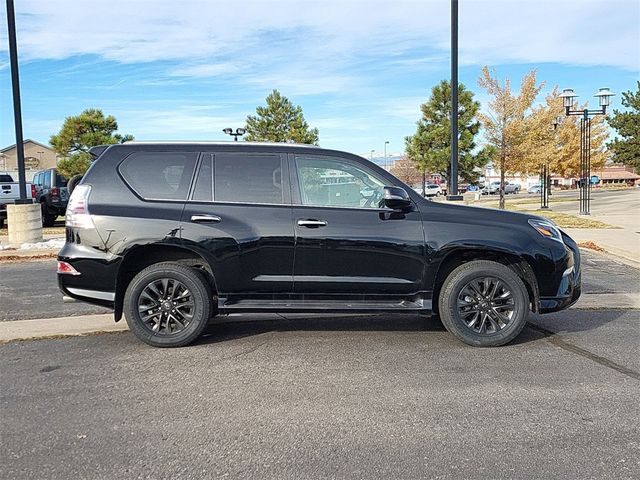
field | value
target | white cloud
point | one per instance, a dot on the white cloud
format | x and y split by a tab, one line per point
331	32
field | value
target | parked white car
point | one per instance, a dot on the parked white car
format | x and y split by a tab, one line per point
494	187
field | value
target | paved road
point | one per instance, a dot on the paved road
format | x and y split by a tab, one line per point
30	290
382	397
352	397
601	275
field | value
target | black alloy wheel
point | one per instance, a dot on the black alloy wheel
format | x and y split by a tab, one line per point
168	304
484	303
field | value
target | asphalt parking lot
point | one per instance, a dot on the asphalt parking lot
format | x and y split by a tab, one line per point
348	397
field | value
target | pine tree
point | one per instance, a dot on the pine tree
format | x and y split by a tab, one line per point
81	132
280	121
430	147
626	148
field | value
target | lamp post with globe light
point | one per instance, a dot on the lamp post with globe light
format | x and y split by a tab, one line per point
238	133
584	183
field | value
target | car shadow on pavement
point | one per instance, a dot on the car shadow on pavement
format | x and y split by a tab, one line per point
577	320
232	327
235	327
227	328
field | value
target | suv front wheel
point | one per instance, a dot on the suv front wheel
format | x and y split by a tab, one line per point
168	305
484	303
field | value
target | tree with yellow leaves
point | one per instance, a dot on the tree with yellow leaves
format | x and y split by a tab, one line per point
505	122
559	147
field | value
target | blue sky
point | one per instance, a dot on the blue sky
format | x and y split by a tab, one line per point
360	69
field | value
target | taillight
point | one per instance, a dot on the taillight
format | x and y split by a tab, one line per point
65	268
78	215
33	191
55	191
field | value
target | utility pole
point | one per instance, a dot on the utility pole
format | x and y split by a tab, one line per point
17	111
453	180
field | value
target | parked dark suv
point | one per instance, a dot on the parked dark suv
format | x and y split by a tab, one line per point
51	193
172	234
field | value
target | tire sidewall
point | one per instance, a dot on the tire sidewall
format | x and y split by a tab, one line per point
200	292
460	277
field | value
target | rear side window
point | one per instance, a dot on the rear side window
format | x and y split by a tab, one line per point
159	175
46	182
247	178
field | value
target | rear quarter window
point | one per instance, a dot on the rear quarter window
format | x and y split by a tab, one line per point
159	175
60	180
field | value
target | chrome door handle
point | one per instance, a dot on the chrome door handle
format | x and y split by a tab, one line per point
205	218
312	223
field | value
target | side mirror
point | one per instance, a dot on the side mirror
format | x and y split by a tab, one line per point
396	198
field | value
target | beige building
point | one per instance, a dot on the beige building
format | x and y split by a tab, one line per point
37	156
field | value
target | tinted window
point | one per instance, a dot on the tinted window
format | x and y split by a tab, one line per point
247	178
203	190
46	180
159	175
60	180
335	182
6	178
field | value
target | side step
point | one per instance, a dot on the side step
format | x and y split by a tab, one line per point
227	305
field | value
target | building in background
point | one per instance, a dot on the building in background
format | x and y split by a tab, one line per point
617	175
37	156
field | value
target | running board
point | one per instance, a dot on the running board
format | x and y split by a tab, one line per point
227	305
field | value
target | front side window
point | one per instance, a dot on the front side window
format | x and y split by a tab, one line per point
247	178
336	182
159	175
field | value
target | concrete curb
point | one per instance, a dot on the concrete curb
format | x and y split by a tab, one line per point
617	254
56	327
91	324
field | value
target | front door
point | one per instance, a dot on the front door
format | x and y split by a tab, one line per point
345	242
239	216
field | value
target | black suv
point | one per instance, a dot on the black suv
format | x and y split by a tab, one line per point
51	193
172	234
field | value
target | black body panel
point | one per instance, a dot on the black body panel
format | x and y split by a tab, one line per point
261	259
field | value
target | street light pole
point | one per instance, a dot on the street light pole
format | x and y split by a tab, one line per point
453	180
238	133
545	174
17	111
584	183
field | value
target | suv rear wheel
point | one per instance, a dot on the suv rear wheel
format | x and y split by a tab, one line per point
168	305
48	219
484	304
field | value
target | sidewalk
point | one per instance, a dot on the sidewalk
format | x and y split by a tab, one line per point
623	243
93	324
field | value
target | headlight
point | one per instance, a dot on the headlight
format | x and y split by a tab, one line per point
547	229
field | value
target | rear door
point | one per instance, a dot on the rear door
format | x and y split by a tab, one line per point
239	215
346	243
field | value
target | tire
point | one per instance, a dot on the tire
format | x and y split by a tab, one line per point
73	181
456	305
168	325
48	219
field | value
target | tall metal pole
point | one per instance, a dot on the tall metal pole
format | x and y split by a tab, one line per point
453	180
17	111
585	163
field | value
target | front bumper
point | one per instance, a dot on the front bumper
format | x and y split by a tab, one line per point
570	286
